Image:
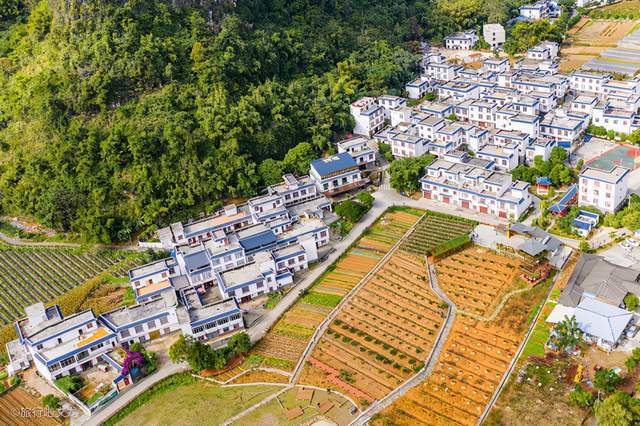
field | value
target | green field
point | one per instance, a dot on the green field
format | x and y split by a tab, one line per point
201	402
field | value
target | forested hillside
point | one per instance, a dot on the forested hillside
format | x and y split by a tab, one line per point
118	116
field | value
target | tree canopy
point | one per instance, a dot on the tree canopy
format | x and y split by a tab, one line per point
122	116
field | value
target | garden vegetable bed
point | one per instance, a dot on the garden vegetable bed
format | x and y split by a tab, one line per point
28	276
435	230
290	335
477	353
381	337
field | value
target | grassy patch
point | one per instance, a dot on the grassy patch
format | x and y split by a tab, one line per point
322	299
278	363
196	399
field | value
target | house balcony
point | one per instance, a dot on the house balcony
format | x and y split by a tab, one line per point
347	187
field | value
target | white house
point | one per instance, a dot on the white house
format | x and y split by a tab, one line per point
461	41
475	187
336	174
494	34
368	115
417	88
505	158
390	102
543	51
605	190
360	151
58	346
618	120
588	82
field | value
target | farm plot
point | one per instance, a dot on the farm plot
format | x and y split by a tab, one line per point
284	343
13	401
41	275
381	336
435	230
474	359
590	37
475	277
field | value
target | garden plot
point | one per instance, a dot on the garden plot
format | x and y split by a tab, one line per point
591	38
28	276
477	353
475	277
285	342
435	230
381	337
17	399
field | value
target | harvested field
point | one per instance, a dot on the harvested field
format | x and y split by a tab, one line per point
260	376
381	337
477	353
591	37
475	277
290	335
17	399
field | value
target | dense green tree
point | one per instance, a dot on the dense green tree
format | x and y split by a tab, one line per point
619	409
406	172
606	380
581	397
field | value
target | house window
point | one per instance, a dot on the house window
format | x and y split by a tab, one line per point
151	324
139	329
164	320
67	362
125	333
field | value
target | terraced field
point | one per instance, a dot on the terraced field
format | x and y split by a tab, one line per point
434	230
381	337
284	343
477	353
40	275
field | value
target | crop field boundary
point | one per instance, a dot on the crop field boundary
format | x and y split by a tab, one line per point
516	357
324	324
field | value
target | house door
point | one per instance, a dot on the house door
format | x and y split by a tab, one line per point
465	204
245	299
87	365
445	200
154	334
427	195
484	209
502	215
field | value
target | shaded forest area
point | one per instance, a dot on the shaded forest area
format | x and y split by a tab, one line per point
118	117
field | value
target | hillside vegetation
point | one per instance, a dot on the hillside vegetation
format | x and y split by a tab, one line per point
117	117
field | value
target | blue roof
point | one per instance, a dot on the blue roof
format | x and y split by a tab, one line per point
543	181
563	203
581	224
258	240
333	164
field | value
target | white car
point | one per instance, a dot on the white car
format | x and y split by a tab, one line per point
633	242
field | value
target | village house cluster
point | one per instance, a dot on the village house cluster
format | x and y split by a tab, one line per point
485	122
216	264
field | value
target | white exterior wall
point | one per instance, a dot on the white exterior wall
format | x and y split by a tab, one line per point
214	328
141	332
606	197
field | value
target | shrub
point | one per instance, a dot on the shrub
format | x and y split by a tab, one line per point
581	397
51	401
631	302
69	384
